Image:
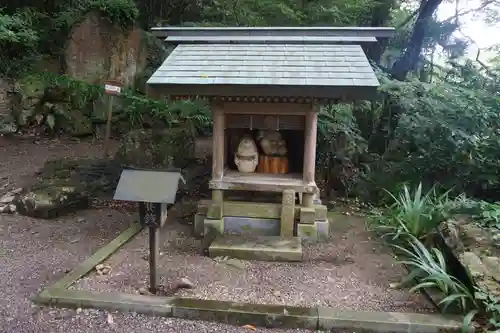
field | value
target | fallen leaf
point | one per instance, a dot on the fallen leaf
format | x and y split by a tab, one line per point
394	285
249	327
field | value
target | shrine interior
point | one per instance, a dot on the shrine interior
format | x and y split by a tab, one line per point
294	141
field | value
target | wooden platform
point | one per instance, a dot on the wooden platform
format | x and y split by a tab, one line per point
234	180
265	248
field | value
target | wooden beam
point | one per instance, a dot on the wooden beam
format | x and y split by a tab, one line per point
310	146
218	142
290	40
377	32
267	108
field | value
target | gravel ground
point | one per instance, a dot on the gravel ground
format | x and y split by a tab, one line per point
350	272
36	253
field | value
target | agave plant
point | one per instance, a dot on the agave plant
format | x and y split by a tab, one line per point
415	214
429	268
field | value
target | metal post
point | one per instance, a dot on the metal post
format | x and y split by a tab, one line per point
154	253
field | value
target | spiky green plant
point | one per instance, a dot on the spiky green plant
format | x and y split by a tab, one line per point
428	267
412	213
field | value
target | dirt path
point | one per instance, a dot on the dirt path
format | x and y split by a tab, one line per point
36	253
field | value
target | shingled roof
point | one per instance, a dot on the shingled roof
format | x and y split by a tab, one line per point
310	70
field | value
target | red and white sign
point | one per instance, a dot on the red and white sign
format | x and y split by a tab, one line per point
112	87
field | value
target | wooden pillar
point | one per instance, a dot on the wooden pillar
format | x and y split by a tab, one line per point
311	126
217	149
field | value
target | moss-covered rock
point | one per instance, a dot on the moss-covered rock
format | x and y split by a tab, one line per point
53	198
67	185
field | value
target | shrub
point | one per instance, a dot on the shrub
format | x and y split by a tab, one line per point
412	213
18	44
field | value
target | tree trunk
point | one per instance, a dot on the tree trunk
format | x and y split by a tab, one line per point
409	61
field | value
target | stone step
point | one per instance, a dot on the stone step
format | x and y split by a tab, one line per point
265	248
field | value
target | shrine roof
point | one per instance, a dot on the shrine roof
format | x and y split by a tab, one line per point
331	71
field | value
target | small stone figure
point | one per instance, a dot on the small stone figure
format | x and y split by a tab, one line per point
272	143
247	156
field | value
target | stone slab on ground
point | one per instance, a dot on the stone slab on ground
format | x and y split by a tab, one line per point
265	248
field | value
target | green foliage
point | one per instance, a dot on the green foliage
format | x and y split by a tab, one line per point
79	93
412	214
339	148
64	98
491	306
429	268
447	134
18	44
487	214
122	13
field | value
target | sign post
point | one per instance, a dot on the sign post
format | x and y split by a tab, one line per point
153	190
111	88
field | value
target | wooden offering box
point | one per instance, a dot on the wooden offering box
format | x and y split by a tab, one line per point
272	164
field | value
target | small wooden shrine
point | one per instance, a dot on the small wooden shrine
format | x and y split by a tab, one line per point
266	86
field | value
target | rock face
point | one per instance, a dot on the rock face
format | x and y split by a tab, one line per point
478	251
67	185
97	50
49	200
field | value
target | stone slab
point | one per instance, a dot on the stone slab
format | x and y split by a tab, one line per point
215	212
199	224
263	315
323	230
287	213
247	225
152	305
307	232
307	215
217	225
252	209
265	248
385	322
265	210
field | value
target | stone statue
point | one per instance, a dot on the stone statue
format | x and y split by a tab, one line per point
272	143
247	156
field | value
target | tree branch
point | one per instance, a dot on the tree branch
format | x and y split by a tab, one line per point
484	66
468	11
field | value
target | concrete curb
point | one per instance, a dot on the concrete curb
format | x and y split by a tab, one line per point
102	254
275	316
272	316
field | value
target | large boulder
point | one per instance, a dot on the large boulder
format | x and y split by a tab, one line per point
156	149
97	50
477	249
52	198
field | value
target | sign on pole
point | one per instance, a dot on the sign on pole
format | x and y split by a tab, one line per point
111	88
153	190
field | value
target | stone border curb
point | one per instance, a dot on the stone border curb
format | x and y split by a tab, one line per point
98	257
274	316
